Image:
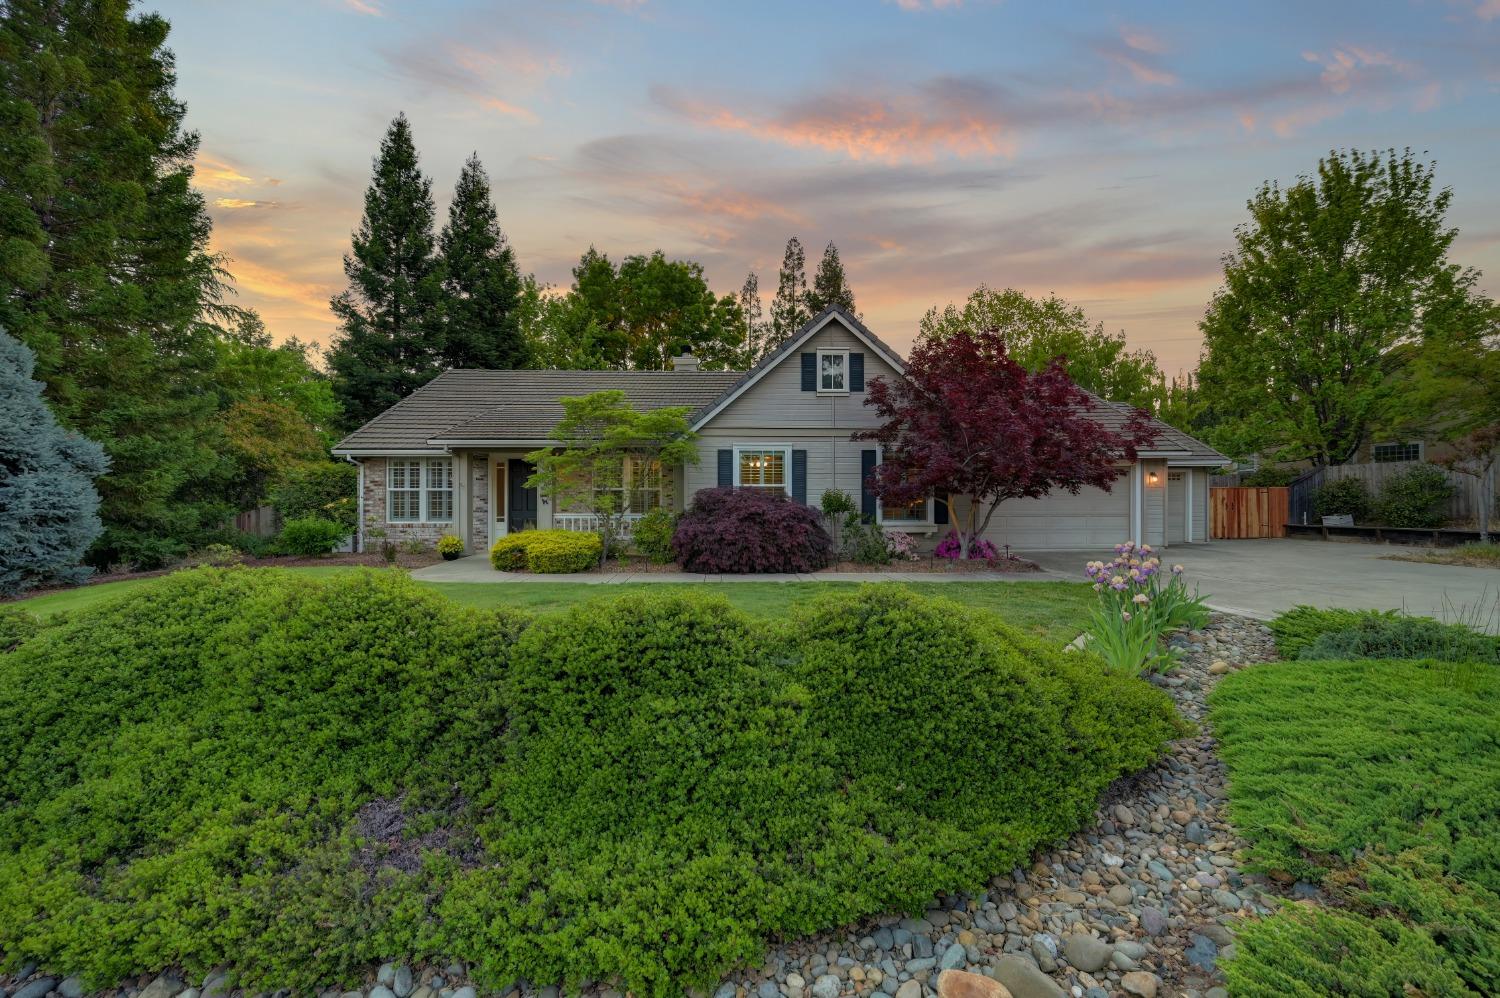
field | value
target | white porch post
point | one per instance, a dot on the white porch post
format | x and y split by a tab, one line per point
1187	501
1137	502
461	503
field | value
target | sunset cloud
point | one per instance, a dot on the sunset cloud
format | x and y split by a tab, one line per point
366	7
944	117
213	174
239	203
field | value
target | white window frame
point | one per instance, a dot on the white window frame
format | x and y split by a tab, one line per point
786	463
844	357
1421	450
423	488
927	523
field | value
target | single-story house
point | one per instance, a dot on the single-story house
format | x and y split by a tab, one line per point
449	459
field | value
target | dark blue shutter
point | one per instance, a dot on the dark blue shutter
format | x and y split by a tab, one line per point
799	476
726	469
809	372
856	372
939	509
868	459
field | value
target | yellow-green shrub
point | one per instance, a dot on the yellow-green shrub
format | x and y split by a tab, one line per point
508	554
549	552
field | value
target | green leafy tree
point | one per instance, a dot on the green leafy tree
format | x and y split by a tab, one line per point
481	282
104	265
48	505
640	315
596	437
390	334
1037	330
789	311
1330	279
830	286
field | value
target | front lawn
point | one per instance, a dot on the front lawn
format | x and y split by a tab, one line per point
1376	779
301	777
1053	611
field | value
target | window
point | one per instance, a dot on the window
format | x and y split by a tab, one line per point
419	490
1410	451
917	512
767	468
638	485
833	371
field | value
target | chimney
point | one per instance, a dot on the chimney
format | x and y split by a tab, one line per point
685	362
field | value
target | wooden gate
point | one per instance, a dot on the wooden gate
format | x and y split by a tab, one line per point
1245	512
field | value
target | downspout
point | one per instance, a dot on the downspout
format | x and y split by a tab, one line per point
359	499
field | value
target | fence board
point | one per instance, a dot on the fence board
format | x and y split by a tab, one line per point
1240	513
260	521
1463	507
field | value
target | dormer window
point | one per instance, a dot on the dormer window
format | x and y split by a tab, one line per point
833	372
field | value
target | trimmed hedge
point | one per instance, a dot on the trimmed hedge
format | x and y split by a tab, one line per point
734	531
310	536
547	552
303	777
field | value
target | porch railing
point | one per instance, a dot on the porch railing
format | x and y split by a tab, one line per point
588	523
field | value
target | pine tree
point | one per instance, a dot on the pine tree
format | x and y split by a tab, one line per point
750	307
49	510
481	282
390	337
105	272
829	285
789	308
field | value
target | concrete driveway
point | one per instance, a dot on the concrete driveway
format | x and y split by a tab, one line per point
1263	578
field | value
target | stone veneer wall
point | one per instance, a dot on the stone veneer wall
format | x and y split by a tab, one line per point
427	533
479	502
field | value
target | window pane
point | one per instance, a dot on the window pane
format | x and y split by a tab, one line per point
912	513
831	367
763	469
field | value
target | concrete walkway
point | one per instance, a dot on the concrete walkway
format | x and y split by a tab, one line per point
1263	578
476	568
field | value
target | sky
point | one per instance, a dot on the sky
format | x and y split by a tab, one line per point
1104	152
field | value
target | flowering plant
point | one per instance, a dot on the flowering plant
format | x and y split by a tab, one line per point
952	547
1138	605
901	545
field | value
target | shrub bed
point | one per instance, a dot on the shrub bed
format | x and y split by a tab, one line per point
299	778
547	552
1309	633
310	536
732	531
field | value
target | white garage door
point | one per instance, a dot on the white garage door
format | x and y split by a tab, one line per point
1092	520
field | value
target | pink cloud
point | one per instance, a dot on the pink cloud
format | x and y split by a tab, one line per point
365	7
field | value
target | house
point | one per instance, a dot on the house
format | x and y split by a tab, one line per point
449	459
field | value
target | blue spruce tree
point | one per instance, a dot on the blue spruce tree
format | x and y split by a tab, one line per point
49	510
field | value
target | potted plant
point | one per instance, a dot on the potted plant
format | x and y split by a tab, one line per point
450	547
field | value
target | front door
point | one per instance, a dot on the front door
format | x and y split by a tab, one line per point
520	501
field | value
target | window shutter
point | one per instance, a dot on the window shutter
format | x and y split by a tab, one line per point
867	461
809	372
799	476
856	372
939	509
726	468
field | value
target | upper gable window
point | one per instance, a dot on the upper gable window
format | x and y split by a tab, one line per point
833	372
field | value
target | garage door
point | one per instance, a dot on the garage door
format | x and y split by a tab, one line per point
1177	507
1091	520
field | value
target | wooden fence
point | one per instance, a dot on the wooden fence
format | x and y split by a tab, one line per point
1239	513
1463	507
261	521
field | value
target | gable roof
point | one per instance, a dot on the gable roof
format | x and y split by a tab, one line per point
487	407
473	408
801	336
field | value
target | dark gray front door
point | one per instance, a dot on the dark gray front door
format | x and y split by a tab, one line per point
522	500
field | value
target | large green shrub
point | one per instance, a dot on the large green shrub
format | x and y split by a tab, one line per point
1300	626
1342	496
310	536
1417	497
183	770
547	552
652	535
321	489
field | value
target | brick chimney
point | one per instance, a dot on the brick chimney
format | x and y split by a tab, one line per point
685	362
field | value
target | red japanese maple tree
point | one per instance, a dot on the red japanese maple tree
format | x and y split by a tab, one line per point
965	420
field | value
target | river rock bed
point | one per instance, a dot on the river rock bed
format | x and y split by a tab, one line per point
1142	904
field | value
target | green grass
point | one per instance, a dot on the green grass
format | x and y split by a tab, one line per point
1378	780
1052	611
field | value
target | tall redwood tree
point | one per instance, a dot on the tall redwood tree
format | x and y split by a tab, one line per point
965	420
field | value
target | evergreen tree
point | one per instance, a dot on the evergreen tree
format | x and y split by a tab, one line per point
829	284
481	282
750	308
789	308
105	272
390	337
49	511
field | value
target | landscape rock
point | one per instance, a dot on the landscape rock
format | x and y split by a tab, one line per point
1086	952
960	984
166	985
36	987
1023	979
1138	982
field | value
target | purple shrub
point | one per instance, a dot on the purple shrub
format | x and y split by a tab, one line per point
979	548
741	530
